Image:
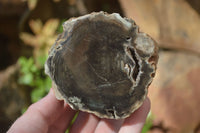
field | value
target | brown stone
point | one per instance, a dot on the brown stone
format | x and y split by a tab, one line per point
101	64
175	91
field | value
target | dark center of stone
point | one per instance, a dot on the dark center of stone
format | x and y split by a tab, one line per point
96	67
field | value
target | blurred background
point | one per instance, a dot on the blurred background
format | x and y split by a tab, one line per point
29	27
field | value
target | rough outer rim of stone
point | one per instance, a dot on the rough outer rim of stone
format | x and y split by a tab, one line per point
142	41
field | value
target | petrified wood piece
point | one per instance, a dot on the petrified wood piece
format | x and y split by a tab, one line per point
102	64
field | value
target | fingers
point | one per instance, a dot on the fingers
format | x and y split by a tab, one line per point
132	124
50	114
108	126
135	122
85	123
39	115
44	114
49	107
30	123
57	114
62	122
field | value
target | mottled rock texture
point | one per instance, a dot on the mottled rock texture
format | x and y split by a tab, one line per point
102	64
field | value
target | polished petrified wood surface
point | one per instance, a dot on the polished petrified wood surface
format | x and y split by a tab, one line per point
102	64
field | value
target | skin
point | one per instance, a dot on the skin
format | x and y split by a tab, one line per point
50	115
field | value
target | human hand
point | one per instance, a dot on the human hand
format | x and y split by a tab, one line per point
50	115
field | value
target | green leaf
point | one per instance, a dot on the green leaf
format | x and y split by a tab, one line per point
148	124
72	122
26	79
47	84
60	27
24	110
33	69
41	60
22	60
37	94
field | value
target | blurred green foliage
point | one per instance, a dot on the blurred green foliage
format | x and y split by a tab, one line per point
32	69
34	77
